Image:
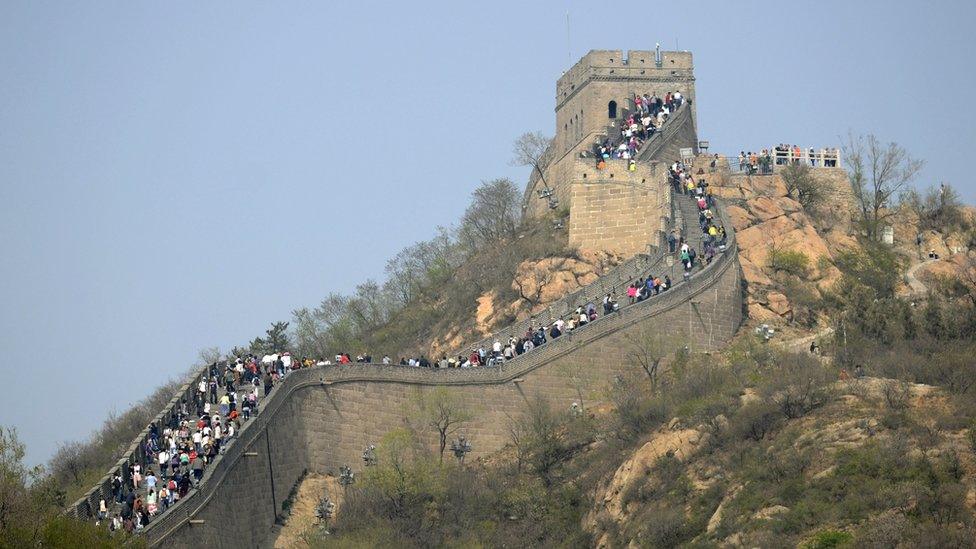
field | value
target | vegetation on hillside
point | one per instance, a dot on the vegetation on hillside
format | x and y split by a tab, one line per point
31	503
796	449
433	285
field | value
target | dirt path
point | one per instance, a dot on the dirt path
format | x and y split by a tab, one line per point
916	287
802	344
302	519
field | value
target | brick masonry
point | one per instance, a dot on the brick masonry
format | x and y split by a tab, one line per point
321	418
618	210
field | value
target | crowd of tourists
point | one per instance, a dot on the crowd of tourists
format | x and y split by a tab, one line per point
762	162
649	114
714	235
176	452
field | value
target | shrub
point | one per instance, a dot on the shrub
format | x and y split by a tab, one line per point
828	539
896	394
789	261
665	528
798	384
755	420
801	185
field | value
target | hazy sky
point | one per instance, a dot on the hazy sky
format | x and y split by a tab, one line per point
175	176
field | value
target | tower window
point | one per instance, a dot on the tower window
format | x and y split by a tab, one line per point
612	109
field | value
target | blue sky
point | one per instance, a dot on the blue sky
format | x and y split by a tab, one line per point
177	176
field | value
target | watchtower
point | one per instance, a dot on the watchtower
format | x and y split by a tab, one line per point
616	209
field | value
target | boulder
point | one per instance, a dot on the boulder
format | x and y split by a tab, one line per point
546	280
761	313
778	303
753	274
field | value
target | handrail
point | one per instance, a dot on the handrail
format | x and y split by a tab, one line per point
775	160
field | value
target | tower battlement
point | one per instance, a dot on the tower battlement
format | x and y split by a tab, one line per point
634	65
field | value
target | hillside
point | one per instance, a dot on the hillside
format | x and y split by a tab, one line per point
868	442
753	447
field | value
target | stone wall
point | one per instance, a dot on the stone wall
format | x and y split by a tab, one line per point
321	418
617	210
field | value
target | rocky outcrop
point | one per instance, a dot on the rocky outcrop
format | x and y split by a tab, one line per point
678	442
540	282
537	283
767	218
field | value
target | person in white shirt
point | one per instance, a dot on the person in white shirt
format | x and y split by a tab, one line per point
163	458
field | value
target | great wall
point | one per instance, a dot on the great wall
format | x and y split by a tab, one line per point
321	418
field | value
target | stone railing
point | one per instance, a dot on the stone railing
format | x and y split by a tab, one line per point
777	160
178	515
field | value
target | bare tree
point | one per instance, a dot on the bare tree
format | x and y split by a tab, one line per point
494	214
442	411
579	377
878	173
938	208
531	149
208	355
647	349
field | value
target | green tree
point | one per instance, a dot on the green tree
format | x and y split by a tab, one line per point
933	317
875	266
31	504
276	340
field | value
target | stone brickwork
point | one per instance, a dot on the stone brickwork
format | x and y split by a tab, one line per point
321	418
242	493
617	210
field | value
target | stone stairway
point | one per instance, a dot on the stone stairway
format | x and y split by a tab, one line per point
693	234
242	389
